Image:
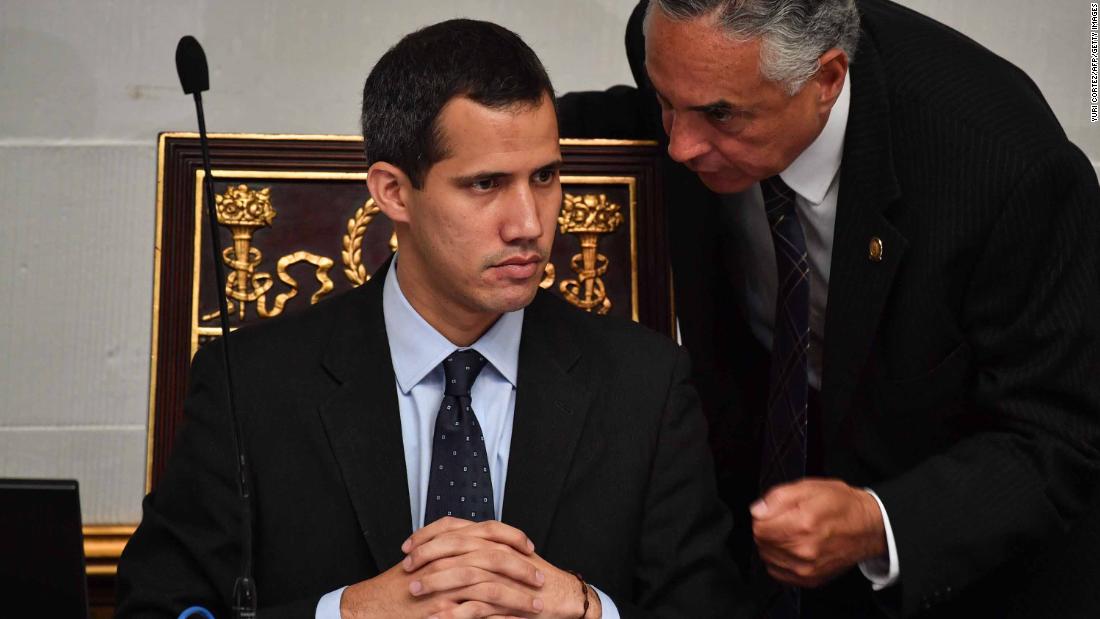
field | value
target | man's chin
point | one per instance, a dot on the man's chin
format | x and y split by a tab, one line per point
515	297
724	182
514	304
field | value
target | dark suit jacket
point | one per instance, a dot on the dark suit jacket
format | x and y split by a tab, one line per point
961	372
608	473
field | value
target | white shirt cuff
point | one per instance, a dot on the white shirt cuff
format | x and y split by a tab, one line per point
610	611
328	607
882	571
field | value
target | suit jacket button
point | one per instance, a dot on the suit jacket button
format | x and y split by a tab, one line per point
875	249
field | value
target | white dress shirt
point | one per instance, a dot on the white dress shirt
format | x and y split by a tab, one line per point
815	179
417	351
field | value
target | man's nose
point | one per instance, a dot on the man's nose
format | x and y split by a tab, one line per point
685	141
523	221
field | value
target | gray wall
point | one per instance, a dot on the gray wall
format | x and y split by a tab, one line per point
86	86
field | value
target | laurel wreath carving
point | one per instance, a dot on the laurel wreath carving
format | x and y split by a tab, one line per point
352	252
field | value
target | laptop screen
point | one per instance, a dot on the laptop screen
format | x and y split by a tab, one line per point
42	547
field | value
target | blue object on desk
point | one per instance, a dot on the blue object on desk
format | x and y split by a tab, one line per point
196	610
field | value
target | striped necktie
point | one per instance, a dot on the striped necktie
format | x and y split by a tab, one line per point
783	453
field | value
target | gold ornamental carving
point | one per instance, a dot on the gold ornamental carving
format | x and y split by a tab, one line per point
352	253
244	211
548	275
588	217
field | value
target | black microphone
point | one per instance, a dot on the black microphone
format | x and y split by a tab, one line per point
195	78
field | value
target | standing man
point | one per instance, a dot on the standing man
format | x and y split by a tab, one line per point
447	440
885	254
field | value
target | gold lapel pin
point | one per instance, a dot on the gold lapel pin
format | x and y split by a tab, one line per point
875	249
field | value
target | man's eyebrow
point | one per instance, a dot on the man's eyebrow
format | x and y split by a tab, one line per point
720	105
467	179
482	175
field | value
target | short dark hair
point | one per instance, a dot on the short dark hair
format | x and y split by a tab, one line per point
410	84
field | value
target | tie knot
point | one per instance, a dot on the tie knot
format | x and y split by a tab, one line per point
778	198
460	370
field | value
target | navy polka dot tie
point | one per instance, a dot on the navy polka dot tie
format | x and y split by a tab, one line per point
459	484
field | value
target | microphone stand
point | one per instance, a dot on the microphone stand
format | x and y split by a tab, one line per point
191	64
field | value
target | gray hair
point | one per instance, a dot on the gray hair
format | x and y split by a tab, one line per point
794	33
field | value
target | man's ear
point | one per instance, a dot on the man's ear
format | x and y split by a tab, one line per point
833	66
391	190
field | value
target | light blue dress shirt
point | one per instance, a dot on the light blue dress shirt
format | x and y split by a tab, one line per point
417	351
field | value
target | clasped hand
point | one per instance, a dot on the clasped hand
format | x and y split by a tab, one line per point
457	569
811	530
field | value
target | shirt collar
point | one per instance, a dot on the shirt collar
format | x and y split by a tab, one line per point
416	348
813	171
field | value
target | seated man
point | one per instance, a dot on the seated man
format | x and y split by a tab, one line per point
446	440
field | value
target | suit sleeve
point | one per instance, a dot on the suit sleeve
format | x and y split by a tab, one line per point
187	549
684	568
1030	467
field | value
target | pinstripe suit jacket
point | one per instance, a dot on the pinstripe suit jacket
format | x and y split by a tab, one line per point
961	372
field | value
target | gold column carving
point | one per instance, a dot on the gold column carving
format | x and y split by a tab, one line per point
243	211
588	216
